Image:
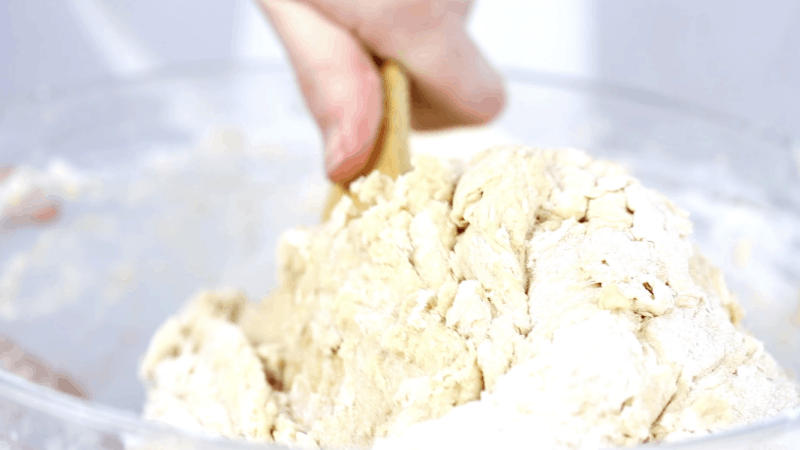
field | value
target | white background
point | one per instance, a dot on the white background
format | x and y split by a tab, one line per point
736	56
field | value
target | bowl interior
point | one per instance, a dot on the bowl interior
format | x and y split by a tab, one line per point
182	181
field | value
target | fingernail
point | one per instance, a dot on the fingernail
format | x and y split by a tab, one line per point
347	151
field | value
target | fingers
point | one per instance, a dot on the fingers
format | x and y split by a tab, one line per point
458	87
339	80
452	83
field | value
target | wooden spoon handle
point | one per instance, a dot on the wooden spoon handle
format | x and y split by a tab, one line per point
390	155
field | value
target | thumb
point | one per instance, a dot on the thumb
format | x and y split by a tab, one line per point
339	81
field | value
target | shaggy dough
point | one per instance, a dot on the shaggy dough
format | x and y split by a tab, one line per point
539	299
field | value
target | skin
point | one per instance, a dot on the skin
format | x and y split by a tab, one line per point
335	47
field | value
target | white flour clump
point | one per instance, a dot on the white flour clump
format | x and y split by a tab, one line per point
532	299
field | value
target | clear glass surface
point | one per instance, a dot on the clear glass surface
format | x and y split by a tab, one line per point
182	180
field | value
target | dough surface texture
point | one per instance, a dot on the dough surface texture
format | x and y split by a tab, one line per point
528	299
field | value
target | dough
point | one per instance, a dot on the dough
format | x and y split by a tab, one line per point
530	299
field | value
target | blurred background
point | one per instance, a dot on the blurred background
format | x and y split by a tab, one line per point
737	56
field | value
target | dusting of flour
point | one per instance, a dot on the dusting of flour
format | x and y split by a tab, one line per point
531	298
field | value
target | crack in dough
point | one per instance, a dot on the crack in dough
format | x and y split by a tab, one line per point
532	298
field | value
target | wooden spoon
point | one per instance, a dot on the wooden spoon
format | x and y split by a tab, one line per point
390	155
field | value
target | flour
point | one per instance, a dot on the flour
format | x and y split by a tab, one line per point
533	298
25	194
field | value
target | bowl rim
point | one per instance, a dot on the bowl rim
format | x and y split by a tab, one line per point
107	419
767	131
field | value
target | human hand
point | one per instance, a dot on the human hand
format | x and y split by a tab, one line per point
331	44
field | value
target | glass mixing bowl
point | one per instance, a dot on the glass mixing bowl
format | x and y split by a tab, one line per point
182	180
